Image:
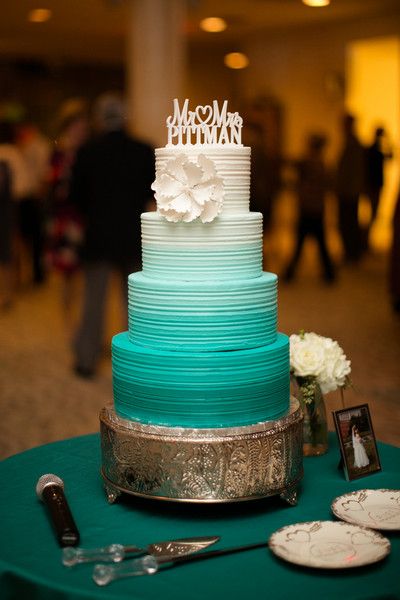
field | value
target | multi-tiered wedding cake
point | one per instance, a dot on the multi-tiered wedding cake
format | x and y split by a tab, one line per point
202	359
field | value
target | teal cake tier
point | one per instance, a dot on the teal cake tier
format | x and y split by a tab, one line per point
202	316
228	248
203	389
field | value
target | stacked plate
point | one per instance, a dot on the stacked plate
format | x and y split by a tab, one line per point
329	545
376	509
351	542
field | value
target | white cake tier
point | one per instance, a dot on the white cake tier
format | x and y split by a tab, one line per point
230	247
231	163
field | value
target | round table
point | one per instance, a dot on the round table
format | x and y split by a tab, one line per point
30	559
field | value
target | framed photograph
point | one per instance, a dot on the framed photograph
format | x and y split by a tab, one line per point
357	441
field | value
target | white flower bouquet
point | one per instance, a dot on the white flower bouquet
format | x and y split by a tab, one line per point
314	358
319	366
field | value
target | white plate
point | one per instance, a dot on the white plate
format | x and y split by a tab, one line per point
377	509
329	545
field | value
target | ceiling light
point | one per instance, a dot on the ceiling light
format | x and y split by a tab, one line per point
39	15
213	25
236	60
316	3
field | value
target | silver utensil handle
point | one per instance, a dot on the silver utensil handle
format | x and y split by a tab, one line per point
73	556
105	574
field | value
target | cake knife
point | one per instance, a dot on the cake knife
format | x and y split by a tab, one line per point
117	552
150	564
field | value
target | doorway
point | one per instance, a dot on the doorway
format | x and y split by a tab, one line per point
373	96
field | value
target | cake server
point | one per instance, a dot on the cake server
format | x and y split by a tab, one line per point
117	552
150	564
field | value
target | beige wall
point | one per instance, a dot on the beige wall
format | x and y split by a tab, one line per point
207	78
302	68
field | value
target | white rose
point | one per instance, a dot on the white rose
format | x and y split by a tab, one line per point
336	367
306	356
314	355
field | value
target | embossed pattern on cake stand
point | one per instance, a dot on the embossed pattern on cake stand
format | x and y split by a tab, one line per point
202	465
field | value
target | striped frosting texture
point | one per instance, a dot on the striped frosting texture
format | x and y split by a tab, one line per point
202	315
229	247
232	165
189	389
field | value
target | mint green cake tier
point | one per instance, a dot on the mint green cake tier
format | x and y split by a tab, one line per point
190	264
204	389
230	247
202	316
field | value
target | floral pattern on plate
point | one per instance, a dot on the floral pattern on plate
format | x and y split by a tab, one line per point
329	545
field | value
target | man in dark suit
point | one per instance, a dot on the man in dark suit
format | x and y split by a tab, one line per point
110	185
350	177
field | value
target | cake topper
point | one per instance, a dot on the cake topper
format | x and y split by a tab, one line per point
204	126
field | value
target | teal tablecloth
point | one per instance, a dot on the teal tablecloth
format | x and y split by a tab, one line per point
30	565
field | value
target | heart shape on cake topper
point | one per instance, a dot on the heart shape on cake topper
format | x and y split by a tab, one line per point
204	114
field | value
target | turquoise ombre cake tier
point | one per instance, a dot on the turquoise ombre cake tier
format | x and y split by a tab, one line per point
202	316
205	389
230	247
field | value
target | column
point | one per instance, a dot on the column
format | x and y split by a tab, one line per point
155	65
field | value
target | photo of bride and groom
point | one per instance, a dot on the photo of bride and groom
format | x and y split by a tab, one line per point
357	441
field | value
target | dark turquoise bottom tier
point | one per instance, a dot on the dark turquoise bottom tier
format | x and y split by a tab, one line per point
204	389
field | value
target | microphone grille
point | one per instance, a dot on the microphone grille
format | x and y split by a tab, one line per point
45	480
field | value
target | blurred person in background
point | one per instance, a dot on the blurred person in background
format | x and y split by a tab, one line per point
265	173
375	156
6	231
349	185
14	185
35	149
312	185
111	185
65	228
394	260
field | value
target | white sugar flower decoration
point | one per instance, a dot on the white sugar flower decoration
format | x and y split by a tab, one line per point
186	190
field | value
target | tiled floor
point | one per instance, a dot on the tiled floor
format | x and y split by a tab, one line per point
42	401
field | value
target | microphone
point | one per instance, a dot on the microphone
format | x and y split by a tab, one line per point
50	489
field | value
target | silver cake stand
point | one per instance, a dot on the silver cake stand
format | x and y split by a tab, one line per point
202	465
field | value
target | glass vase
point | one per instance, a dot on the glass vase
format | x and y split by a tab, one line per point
315	426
